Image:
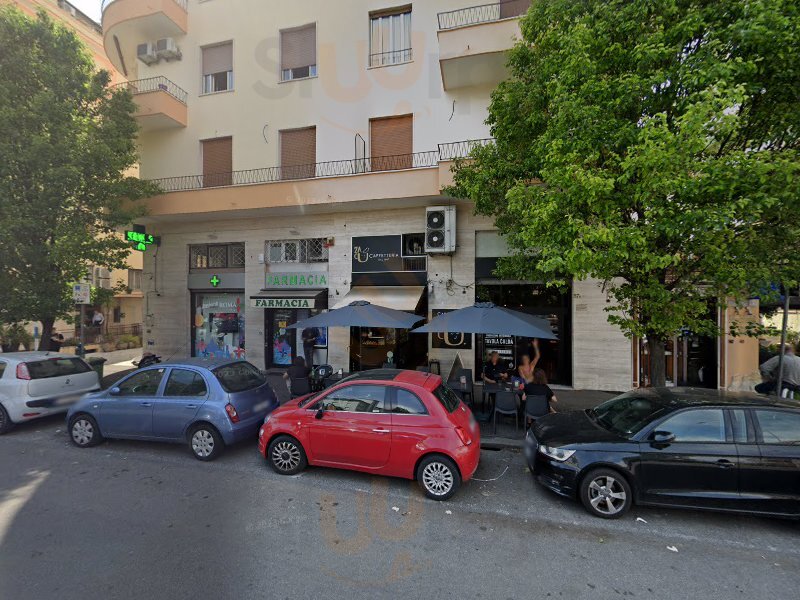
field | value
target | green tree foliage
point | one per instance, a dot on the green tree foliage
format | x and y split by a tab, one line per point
66	140
653	145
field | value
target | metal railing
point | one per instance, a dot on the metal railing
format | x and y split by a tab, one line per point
393	57
485	13
155	84
184	4
339	168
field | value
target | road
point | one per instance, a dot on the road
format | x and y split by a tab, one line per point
130	520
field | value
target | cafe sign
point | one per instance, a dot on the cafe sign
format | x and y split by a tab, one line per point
291	303
378	254
296	281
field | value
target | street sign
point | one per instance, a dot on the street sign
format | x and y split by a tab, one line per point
82	293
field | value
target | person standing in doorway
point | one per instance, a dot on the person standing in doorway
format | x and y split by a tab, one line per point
309	335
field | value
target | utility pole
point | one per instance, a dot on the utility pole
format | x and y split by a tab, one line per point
786	306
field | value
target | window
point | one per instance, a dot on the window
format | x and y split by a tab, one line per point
217	256
2	369
626	414
299	53
447	397
218	68
357	398
217	162
145	383
135	279
779	427
185	383
117	314
390	37
239	377
697	425
392	143
298	153
57	367
407	403
297	251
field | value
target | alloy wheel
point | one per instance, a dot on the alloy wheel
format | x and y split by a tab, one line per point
437	478
607	495
203	443
82	432
286	456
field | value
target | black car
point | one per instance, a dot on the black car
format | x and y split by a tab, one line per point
673	447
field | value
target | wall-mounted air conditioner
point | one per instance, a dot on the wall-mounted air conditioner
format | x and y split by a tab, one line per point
147	53
440	230
167	49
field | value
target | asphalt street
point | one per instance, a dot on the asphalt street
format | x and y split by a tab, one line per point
132	520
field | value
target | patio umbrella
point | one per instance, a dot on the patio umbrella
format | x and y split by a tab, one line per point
361	314
489	319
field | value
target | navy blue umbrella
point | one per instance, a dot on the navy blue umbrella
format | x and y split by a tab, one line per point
361	314
489	319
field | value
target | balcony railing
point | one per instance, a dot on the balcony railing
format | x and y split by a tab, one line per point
339	168
155	84
393	57
184	4
486	13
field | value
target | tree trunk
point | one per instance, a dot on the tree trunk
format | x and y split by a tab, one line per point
658	373
47	333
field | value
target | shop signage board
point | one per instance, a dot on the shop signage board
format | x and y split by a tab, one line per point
296	281
378	254
290	303
503	345
452	340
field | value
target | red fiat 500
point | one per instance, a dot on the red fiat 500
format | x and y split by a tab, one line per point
397	423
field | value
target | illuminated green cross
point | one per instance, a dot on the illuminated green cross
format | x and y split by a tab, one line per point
215	281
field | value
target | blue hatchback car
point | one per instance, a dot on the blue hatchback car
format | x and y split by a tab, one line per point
206	403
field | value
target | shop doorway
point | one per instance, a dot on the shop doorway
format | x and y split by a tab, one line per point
282	345
535	299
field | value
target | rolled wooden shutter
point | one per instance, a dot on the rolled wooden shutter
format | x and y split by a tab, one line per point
299	47
392	143
217	162
514	8
298	153
218	59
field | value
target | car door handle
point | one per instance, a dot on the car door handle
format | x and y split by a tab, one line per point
147	404
382	430
725	464
191	406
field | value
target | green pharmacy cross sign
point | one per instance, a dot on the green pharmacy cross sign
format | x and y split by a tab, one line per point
215	281
141	240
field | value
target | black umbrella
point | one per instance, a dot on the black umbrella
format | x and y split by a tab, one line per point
361	314
489	319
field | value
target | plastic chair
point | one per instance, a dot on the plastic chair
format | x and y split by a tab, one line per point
470	390
300	387
536	407
505	403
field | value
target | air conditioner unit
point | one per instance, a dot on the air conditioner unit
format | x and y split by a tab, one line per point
166	48
147	53
440	230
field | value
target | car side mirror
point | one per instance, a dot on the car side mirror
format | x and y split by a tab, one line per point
115	391
663	437
320	413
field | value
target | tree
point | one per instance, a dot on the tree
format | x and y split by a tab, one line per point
66	140
653	145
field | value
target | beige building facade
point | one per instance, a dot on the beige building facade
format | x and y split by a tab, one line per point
302	148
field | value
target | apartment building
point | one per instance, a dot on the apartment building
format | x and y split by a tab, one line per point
302	148
125	314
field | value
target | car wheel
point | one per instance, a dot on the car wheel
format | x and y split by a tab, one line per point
5	421
286	455
84	431
205	442
439	477
606	494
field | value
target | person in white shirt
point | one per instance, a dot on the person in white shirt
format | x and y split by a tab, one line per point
769	372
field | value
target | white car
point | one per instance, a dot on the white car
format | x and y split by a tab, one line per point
37	384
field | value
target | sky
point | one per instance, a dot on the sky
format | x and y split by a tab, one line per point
90	7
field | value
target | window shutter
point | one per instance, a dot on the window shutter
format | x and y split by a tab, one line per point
298	153
299	47
218	59
514	8
392	143
217	162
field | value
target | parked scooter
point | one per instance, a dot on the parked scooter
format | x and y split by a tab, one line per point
148	360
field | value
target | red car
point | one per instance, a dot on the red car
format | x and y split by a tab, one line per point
397	423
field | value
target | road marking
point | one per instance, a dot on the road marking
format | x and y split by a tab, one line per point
16	499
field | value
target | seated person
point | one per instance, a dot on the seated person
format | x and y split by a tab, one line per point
493	371
539	387
298	370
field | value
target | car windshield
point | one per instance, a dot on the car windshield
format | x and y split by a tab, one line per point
627	414
447	397
239	377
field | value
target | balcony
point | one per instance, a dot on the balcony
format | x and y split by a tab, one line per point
128	23
473	42
160	103
327	186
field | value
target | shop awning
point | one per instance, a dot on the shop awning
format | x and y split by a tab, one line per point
290	299
395	297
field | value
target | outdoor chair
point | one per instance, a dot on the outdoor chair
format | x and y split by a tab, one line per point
505	403
535	407
469	391
300	387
